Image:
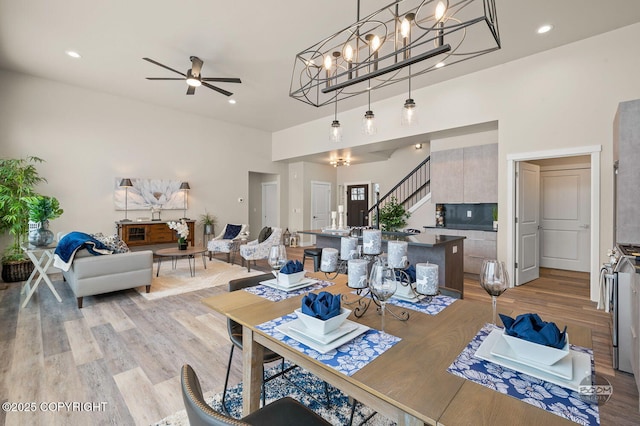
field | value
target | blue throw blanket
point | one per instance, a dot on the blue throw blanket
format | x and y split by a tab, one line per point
71	243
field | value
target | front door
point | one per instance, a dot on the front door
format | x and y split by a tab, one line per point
357	205
528	222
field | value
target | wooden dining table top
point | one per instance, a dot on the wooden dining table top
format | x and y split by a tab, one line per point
409	383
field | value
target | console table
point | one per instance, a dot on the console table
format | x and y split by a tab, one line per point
152	232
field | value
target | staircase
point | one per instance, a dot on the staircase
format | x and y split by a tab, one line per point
411	189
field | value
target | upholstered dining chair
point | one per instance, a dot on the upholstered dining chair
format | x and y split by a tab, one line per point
283	412
223	242
255	250
235	335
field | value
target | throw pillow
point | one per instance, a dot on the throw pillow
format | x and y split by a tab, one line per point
231	232
264	234
113	243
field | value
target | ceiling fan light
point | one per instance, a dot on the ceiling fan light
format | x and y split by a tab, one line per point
194	82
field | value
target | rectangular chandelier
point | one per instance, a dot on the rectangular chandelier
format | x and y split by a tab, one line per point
405	39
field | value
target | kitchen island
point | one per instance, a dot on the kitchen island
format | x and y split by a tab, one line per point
447	251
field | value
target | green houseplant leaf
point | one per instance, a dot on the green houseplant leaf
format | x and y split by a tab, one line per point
18	179
43	208
393	215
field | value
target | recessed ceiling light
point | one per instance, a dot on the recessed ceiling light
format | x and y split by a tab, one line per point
545	28
73	54
232	101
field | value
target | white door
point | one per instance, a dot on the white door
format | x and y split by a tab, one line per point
527	222
270	204
320	204
565	219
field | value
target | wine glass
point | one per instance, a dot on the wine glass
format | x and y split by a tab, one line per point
277	259
494	280
382	283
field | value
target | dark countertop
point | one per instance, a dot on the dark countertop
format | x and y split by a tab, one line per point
465	228
422	240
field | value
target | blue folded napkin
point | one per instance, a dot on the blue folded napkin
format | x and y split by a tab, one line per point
292	267
410	271
322	306
531	328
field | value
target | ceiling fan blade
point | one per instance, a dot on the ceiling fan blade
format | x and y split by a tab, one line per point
217	89
160	78
163	66
222	79
196	65
191	90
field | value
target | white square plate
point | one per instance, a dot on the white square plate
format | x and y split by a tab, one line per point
299	327
581	363
305	282
322	348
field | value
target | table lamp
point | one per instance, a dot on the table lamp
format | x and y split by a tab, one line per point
126	183
184	186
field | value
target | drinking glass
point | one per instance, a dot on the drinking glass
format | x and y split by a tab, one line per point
382	283
277	259
494	280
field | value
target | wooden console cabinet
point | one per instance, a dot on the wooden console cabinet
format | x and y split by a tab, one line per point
151	232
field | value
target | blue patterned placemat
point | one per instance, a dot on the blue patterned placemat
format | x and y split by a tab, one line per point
274	295
433	307
548	396
348	358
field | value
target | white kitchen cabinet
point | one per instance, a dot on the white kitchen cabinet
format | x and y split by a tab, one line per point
478	245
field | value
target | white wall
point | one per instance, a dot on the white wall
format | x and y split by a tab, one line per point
88	138
566	97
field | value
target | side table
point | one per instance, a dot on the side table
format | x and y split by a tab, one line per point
42	258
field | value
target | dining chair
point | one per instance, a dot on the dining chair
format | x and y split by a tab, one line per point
283	412
235	335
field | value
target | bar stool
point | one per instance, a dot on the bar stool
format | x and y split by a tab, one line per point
314	253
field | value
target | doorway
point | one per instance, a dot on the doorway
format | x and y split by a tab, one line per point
513	249
270	204
357	205
320	204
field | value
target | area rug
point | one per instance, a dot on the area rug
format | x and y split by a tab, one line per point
179	280
300	385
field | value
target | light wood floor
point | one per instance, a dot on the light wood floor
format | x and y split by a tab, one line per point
125	351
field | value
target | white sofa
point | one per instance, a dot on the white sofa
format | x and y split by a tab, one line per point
90	275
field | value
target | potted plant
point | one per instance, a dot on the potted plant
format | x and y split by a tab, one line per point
18	179
393	216
208	221
41	210
494	214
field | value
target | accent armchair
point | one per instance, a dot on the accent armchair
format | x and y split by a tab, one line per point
254	250
219	244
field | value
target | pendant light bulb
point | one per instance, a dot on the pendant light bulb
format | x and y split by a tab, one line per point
328	62
409	117
440	10
368	123
348	53
375	43
405	27
336	132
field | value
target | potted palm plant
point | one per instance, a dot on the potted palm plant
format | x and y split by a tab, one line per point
41	210
208	221
18	179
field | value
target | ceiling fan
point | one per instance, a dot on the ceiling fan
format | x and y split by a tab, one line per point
193	77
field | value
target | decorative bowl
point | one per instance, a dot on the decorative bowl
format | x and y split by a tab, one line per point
541	354
290	279
322	327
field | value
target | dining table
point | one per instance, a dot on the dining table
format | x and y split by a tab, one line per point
409	382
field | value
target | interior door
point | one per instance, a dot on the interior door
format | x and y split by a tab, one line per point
270	204
357	205
527	222
320	204
565	219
